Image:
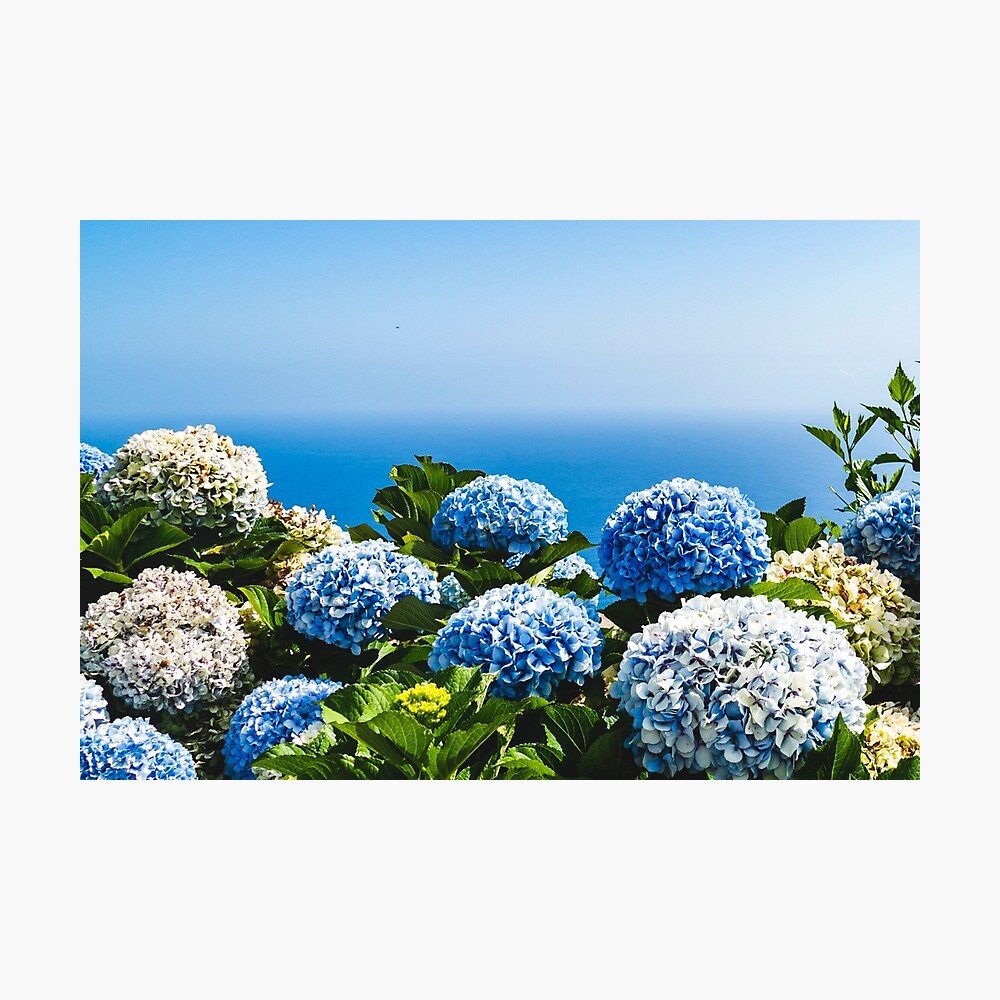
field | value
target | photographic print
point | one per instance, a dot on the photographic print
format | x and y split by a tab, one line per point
499	500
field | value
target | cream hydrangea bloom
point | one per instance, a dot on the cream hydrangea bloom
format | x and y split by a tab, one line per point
882	621
311	528
890	737
196	477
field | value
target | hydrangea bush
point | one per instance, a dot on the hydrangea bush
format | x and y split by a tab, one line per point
887	529
499	513
272	713
170	642
341	593
739	687
128	749
693	653
881	620
528	637
196	478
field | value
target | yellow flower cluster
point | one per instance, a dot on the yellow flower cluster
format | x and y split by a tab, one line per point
890	737
425	702
882	621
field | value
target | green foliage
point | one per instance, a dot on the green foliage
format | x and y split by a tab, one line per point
902	423
839	759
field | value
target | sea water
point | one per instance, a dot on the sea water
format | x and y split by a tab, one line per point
591	465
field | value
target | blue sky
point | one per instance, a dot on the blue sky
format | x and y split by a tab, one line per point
200	321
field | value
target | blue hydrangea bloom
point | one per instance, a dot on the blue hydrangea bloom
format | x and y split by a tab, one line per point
740	687
453	593
887	529
500	513
93	704
94	460
571	567
529	638
272	713
683	537
341	592
132	750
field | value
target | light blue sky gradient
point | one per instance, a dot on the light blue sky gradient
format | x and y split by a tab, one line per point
191	322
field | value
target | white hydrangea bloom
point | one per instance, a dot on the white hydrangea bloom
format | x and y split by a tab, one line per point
882	621
172	641
197	478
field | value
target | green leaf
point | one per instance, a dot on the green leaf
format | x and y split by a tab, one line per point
361	701
841	420
151	540
886	457
791	510
776	528
888	417
839	759
110	544
96	514
549	555
607	757
801	534
87	484
901	387
111	577
409	477
298	762
426	551
907	769
365	533
865	424
403	732
829	438
409	613
630	616
790	590
583	585
572	725
266	603
526	760
485	577
440	475
397	501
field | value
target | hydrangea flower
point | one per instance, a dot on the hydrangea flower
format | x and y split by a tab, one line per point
682	537
132	750
740	687
273	713
311	528
197	478
892	735
341	593
93	704
529	638
569	568
93	460
882	622
500	513
887	529
453	593
172	641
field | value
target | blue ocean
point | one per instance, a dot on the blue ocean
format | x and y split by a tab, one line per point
589	464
